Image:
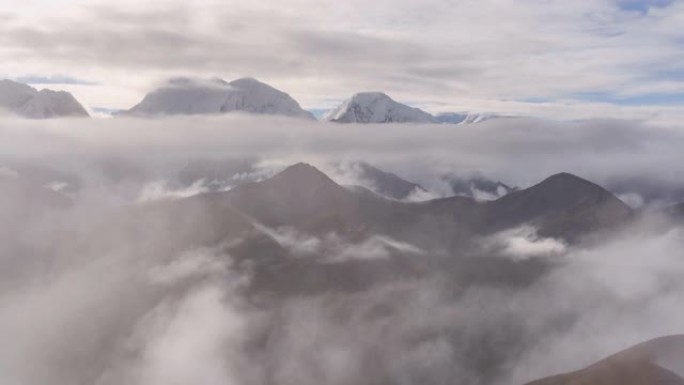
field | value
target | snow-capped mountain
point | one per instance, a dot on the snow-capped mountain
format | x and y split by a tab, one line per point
187	96
473	118
26	101
376	107
451	117
463	117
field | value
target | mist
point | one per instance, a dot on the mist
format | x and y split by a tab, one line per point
635	158
105	280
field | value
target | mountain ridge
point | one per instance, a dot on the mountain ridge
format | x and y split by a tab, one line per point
376	107
26	101
304	197
191	96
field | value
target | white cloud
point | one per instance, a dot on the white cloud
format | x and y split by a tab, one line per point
438	53
518	152
524	243
633	200
191	342
6	172
421	195
331	248
160	190
191	264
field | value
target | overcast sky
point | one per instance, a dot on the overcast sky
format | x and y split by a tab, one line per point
570	59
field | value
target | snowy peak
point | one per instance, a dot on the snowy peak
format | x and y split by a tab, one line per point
463	118
189	96
251	84
377	107
26	101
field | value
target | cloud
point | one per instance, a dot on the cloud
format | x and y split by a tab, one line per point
518	152
160	190
6	172
633	200
432	53
421	195
57	79
192	264
162	309
191	342
331	248
626	286
524	243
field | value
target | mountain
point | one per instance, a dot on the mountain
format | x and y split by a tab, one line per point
474	118
462	118
657	362
186	96
308	208
26	101
451	117
385	183
478	187
376	107
302	197
562	205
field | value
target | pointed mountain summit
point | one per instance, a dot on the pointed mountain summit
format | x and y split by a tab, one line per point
376	107
561	205
188	96
300	196
24	100
301	175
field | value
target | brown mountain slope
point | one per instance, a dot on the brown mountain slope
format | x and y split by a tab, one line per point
656	362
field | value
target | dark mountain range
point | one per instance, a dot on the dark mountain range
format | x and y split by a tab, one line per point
301	196
303	243
306	201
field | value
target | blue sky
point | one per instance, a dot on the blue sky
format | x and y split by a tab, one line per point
655	99
643	6
52	79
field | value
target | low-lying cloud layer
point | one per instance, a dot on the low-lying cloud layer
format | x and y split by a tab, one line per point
98	291
634	158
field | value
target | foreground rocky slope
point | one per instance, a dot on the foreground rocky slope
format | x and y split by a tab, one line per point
657	362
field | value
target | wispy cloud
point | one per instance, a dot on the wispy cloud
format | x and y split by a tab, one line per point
57	79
